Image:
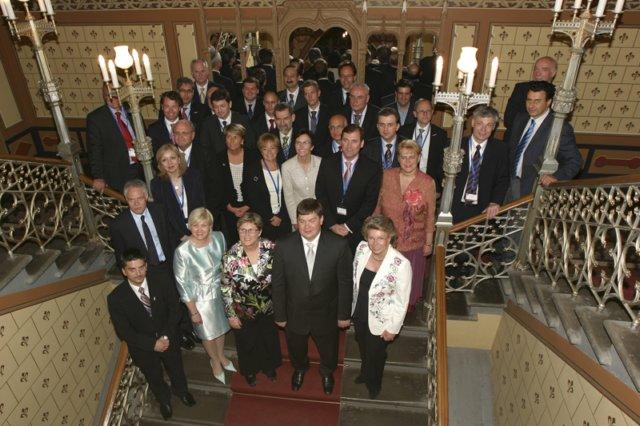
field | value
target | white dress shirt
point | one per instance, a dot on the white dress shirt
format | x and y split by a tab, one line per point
426	142
137	218
136	289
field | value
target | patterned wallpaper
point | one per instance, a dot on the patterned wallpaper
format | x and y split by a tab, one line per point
463	35
73	58
608	84
54	359
533	386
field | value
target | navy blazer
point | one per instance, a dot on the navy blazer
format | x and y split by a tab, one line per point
373	149
163	193
493	180
301	102
212	138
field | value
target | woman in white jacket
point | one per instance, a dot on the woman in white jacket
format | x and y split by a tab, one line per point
381	289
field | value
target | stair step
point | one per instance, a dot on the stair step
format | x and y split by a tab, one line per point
626	340
544	292
530	282
457	307
372	413
210	409
11	266
487	294
566	305
41	260
198	370
408	349
401	386
592	320
414	320
519	292
92	250
68	255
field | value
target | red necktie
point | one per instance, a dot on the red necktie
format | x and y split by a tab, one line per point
126	135
272	127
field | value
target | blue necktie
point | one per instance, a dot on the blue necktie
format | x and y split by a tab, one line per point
314	121
250	111
474	173
522	145
388	156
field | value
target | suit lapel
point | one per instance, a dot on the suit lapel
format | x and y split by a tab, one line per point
133	300
131	224
302	251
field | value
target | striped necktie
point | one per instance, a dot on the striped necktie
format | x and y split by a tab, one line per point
522	145
474	173
146	302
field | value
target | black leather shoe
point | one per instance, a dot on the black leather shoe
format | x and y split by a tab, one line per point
271	375
373	393
193	336
187	343
296	379
358	380
251	379
188	400
327	384
166	411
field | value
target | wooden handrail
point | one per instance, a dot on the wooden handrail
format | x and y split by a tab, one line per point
611	180
43	160
107	191
114	384
483	216
441	338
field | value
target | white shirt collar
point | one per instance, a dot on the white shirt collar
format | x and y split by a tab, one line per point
139	216
313	242
540	119
228	119
426	128
316	109
474	143
187	152
362	114
294	93
169	124
353	162
286	135
136	288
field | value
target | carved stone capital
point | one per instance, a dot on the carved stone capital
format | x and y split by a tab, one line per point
144	149
452	161
564	100
69	150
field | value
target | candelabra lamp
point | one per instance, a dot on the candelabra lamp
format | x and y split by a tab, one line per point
460	101
581	28
36	25
132	90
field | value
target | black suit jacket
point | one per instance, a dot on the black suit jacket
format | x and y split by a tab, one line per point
108	153
374	148
212	138
270	83
256	196
225	82
196	96
316	304
517	104
260	125
326	88
360	198
322	128
369	123
240	107
225	189
568	156
284	156
493	180
409	119
335	102
163	193
125	235
132	323
437	143
159	135
300	100
197	113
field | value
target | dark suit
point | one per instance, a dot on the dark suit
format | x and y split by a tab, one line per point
437	142
211	136
360	198
240	107
568	156
291	149
225	82
374	148
159	134
409	119
164	194
197	113
196	96
516	104
270	83
322	128
493	180
326	87
312	305
261	126
108	152
369	122
140	331
256	196
301	102
336	103
199	160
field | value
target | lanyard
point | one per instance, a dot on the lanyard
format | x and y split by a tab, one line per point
276	182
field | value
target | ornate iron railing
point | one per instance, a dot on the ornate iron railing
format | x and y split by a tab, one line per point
480	249
104	206
587	233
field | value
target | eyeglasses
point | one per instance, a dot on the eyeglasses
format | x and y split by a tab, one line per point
336	127
248	231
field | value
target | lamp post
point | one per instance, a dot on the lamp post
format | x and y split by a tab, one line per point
582	28
133	90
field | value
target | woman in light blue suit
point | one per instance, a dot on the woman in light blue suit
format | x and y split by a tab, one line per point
197	265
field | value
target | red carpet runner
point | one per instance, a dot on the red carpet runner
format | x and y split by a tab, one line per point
275	404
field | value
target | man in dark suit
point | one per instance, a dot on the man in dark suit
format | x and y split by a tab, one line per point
361	112
380	76
265	59
266	122
192	111
160	131
292	95
315	116
431	138
325	84
220	79
544	69
195	155
403	103
312	291
348	184
110	136
200	74
330	146
284	123
483	179
528	141
383	150
145	314
211	131
249	103
338	101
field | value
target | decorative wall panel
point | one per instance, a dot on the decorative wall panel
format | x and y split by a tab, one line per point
186	34
608	84
463	35
533	386
9	113
73	58
54	359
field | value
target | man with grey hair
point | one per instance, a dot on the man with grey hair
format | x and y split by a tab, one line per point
200	75
483	180
361	112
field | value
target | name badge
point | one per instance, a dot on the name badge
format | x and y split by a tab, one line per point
132	153
341	211
471	198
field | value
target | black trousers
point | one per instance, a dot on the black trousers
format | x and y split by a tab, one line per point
258	345
373	352
164	271
325	340
151	363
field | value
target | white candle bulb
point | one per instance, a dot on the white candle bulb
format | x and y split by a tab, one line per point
437	81
136	61
577	4
619	5
48	7
9	9
557	6
257	37
103	68
460	75
147	66
600	9
494	72
114	74
469	87
3	7
41	6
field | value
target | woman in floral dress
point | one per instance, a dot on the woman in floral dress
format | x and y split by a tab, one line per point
246	289
408	198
